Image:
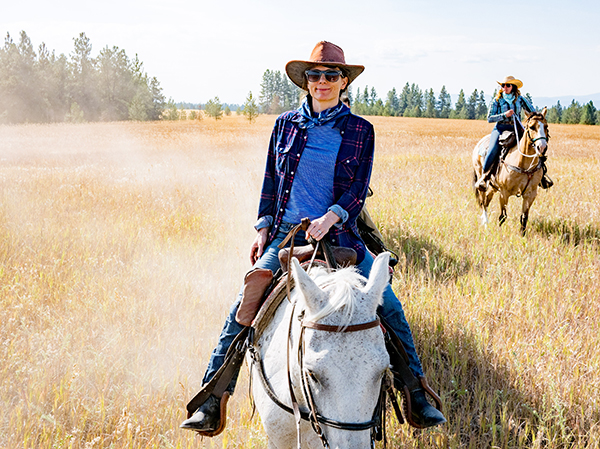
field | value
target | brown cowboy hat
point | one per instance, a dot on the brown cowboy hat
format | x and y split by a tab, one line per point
511	80
326	54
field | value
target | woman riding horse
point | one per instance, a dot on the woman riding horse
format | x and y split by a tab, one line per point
508	103
318	166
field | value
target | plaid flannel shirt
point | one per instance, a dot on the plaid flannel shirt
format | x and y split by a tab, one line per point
351	176
498	109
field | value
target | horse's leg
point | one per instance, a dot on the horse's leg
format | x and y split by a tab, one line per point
483	198
528	199
485	202
503	199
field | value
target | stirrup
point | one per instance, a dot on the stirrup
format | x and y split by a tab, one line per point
222	419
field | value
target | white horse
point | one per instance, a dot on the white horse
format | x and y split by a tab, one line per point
329	337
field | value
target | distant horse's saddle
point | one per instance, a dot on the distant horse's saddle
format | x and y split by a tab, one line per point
507	140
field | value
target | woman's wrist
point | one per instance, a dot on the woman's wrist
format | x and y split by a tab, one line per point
332	218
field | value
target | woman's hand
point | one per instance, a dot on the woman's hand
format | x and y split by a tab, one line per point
319	227
258	246
509	113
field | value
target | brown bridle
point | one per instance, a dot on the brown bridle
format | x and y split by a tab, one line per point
312	415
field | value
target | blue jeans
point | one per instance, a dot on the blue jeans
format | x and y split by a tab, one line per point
391	310
494	148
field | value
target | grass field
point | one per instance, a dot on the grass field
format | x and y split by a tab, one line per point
122	246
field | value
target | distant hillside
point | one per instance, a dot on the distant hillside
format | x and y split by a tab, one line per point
565	100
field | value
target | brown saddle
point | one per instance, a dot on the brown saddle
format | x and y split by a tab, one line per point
259	280
344	257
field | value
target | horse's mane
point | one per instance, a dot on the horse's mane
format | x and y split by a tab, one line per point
343	288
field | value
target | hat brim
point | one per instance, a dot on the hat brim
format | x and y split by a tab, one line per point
295	70
516	82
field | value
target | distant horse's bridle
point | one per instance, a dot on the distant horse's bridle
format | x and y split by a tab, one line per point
532	141
542	156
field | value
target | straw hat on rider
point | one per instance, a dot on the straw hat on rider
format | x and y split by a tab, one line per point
511	80
326	54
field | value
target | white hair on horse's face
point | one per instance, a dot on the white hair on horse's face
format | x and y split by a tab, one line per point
342	289
346	290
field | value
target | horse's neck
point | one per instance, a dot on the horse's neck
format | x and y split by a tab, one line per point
516	155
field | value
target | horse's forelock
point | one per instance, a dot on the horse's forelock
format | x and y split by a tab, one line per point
343	290
538	116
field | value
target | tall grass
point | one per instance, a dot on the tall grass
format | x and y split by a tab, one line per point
122	246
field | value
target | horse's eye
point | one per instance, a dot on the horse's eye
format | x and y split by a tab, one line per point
312	376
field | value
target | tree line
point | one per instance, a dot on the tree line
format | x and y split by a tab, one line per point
574	114
39	86
278	95
44	87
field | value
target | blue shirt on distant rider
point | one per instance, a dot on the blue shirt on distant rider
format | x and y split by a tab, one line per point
498	109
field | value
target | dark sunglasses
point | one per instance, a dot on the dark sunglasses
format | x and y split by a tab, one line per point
506	85
315	75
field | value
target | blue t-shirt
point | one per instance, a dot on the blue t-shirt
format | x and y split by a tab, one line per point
312	190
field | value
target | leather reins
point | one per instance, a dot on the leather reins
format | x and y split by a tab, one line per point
530	171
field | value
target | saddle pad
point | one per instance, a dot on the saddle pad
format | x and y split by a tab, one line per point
482	146
267	310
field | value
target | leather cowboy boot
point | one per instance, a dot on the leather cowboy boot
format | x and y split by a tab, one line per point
482	183
420	413
207	418
417	410
546	182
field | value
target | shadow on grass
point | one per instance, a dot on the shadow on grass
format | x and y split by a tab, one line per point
570	232
485	401
422	255
486	404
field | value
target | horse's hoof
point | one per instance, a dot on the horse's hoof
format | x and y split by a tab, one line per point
207	418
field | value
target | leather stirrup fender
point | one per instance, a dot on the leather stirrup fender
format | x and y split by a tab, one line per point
219	383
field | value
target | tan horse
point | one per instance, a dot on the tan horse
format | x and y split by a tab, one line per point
519	173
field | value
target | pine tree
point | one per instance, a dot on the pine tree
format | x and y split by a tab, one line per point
572	114
482	110
554	114
588	114
415	102
171	112
392	104
430	104
214	108
444	103
250	108
267	92
404	99
471	108
460	108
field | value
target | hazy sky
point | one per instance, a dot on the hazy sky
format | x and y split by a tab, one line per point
203	48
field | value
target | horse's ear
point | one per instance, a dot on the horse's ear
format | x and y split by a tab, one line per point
311	291
379	277
544	111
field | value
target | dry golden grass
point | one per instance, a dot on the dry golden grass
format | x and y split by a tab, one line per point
122	246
